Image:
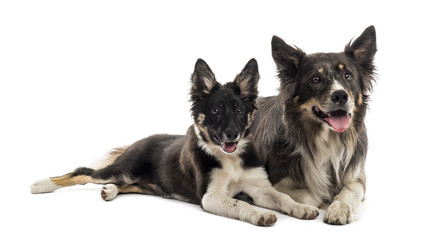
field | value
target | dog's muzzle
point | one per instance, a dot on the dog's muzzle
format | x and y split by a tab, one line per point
339	120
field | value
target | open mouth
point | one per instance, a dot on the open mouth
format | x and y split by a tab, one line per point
338	120
229	147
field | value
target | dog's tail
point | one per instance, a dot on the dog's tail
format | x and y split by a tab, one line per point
110	158
81	175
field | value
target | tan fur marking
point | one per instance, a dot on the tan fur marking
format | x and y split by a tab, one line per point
306	109
359	100
244	85
248	125
341	66
351	98
67	180
199	124
135	189
204	131
295	100
321	70
209	84
307	106
200	119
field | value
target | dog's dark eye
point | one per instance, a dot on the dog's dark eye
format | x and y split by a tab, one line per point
239	111
348	76
215	111
316	79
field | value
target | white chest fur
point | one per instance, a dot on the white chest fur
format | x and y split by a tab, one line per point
329	155
232	178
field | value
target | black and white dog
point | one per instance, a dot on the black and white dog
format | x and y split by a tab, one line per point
209	165
312	136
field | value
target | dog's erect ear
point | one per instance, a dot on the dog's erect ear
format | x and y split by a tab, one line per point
287	58
247	81
363	49
203	81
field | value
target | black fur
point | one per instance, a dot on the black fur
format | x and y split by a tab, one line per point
177	166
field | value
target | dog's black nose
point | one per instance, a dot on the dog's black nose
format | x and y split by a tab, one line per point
339	97
231	135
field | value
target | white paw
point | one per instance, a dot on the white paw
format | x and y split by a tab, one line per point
338	213
264	219
43	186
303	211
109	192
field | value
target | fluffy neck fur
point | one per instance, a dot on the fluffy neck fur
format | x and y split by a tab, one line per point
326	155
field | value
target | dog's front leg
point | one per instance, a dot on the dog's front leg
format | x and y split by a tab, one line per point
258	187
341	210
216	201
225	206
270	198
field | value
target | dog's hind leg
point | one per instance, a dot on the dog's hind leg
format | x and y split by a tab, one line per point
110	191
110	174
79	176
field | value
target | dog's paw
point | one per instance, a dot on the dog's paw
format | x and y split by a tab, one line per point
304	211
264	219
43	186
109	192
338	213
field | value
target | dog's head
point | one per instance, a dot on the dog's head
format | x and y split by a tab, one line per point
222	113
327	88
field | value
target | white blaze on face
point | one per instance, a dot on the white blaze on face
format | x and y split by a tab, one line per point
337	86
340	120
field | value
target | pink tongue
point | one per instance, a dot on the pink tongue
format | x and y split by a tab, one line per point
339	123
229	147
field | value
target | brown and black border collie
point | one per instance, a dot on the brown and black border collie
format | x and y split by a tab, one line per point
209	165
312	137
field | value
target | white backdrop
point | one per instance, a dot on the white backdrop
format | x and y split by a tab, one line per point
80	77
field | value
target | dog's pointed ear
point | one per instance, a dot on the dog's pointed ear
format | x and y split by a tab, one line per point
287	58
203	81
363	49
248	80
